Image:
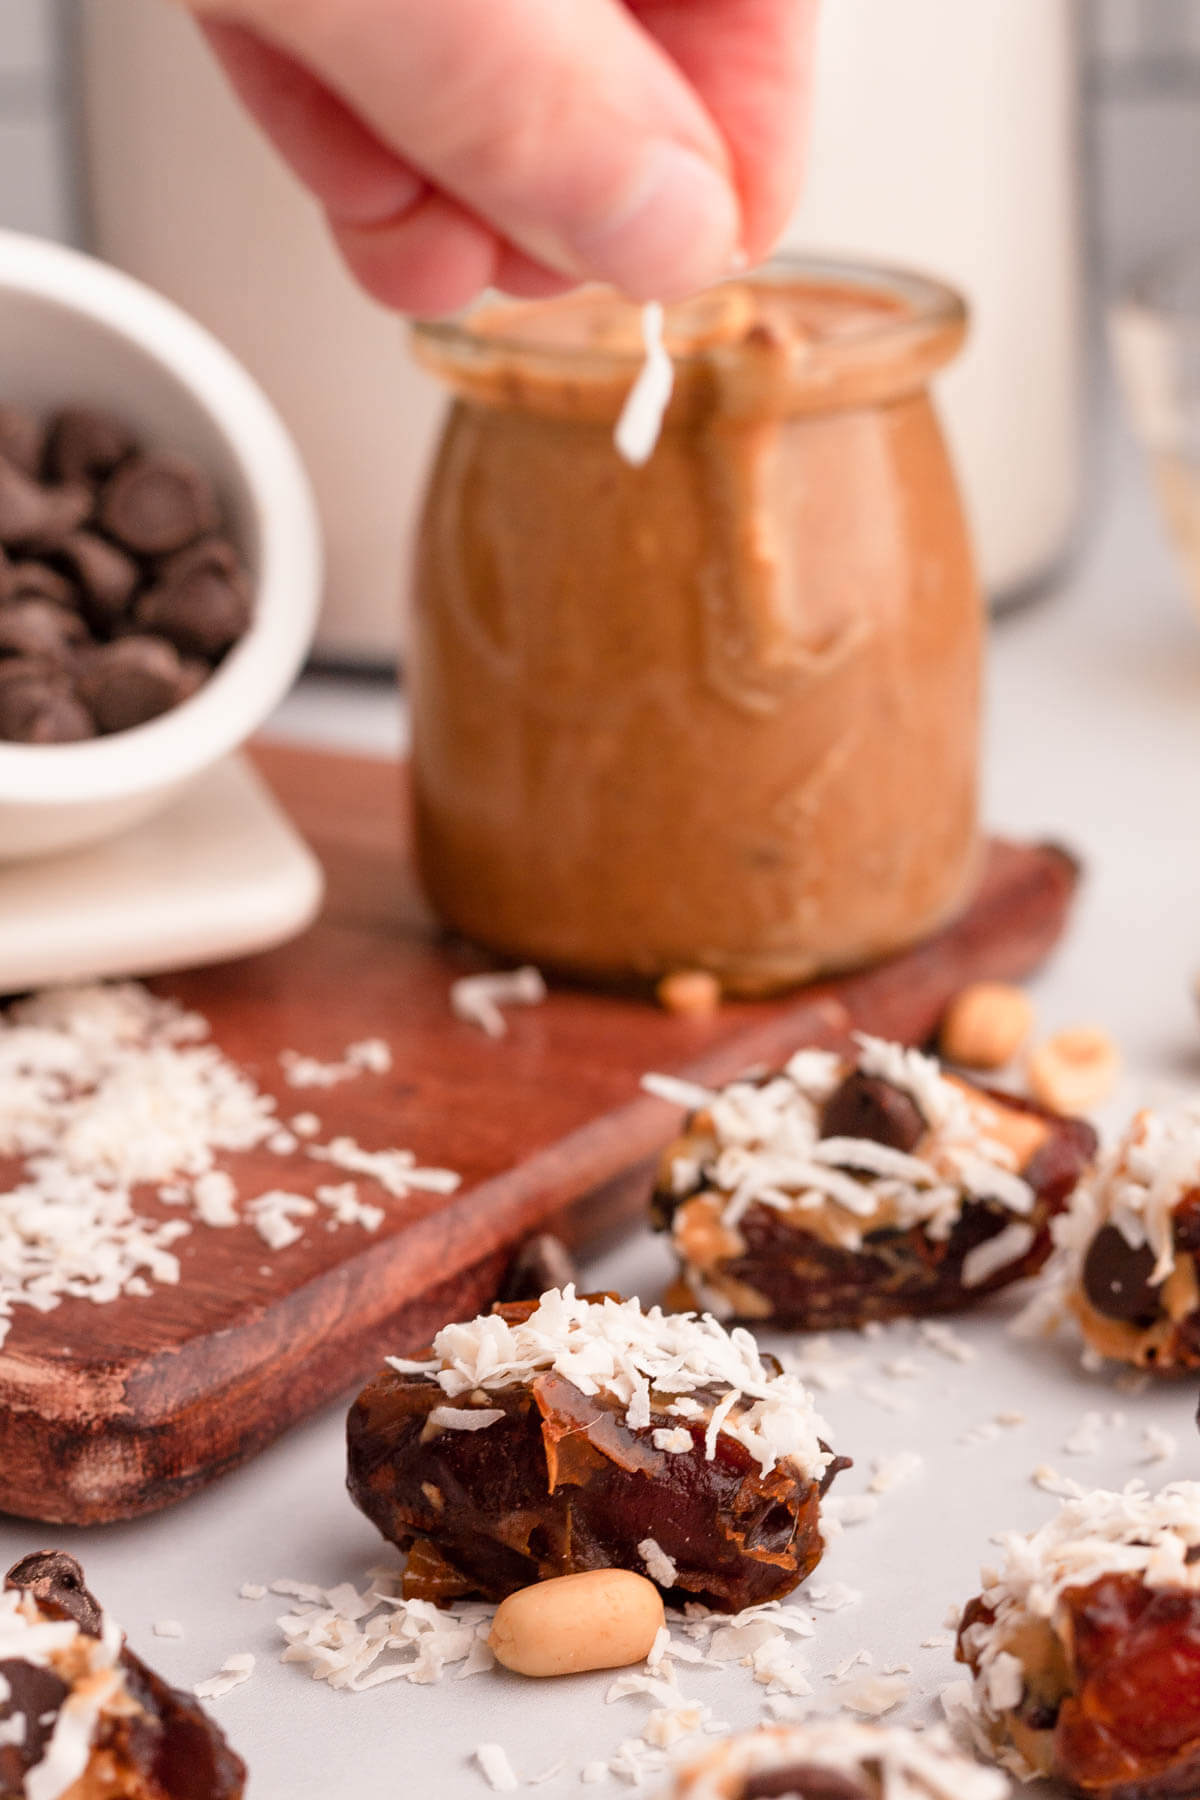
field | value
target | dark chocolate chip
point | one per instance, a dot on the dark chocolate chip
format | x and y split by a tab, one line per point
866	1107
106	576
40	628
1185	1225
207	553
154	505
40	708
56	1581
837	1467
130	681
193	673
542	1262
87	444
36	516
1116	1278
801	1781
38	581
22	439
202	614
34	1694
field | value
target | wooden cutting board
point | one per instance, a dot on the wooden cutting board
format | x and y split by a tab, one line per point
114	1410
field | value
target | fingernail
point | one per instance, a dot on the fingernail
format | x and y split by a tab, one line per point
676	232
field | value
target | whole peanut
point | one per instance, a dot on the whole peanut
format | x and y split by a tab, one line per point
986	1024
601	1619
1074	1070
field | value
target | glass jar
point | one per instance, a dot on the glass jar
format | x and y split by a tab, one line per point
721	711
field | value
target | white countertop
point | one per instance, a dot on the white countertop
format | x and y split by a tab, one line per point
1094	738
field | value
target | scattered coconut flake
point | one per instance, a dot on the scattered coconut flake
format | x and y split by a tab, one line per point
396	1171
849	1509
658	1565
946	1341
874	1695
941	1640
306	1125
676	1092
997	1253
832	1596
168	1628
252	1590
1087	1437
493	1760
1010	1418
465	1418
638	428
1159	1445
674	1439
478	999
889	1472
556	1768
232	1673
274	1215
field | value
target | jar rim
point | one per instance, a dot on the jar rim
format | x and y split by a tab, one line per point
926	308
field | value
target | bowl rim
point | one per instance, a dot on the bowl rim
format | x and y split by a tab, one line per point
248	685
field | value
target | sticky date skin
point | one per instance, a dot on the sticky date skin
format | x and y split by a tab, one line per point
562	1484
1129	1726
811	1285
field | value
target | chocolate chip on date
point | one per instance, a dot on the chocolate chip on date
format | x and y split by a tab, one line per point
541	1263
866	1107
55	1579
1116	1278
119	594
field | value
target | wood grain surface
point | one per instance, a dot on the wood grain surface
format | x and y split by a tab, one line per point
109	1411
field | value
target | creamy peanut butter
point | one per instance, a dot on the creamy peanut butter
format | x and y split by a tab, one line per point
719	712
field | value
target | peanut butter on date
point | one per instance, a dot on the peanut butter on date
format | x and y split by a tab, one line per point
720	712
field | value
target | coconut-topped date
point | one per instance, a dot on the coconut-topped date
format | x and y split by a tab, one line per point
838	1759
1084	1646
843	1189
1127	1268
577	1433
81	1717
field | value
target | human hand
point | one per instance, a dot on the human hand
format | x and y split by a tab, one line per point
531	144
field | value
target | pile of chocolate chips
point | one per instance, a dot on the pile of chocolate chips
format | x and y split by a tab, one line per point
118	592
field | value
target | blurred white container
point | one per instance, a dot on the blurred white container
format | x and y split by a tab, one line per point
945	138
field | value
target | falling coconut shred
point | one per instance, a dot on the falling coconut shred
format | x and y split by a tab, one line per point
640	423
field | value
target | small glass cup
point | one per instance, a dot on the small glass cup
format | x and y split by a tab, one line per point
1156	342
719	712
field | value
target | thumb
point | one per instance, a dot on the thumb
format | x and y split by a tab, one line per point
563	125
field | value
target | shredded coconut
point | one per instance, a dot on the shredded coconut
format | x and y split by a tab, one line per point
233	1672
614	1347
759	1143
478	999
108	1088
1159	1445
370	1055
638	428
889	1472
493	1760
168	1628
895	1763
1094	1534
658	1565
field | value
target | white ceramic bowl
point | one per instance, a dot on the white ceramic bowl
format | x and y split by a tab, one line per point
74	331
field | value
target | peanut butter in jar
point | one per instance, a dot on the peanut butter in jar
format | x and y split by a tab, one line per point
719	712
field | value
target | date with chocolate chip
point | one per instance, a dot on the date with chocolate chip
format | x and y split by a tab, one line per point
120	592
845	1189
